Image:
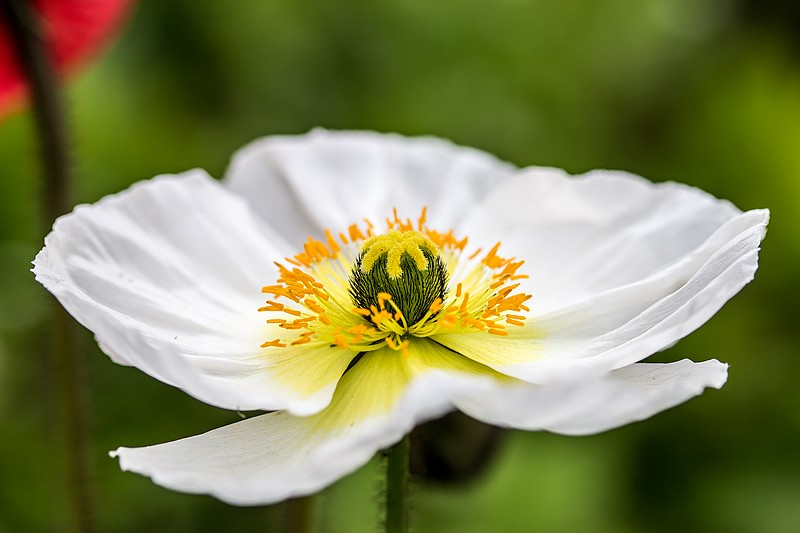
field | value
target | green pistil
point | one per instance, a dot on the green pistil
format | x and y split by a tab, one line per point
413	290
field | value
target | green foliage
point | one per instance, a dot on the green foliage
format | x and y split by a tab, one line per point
672	90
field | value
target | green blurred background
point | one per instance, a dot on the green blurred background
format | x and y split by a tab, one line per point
706	92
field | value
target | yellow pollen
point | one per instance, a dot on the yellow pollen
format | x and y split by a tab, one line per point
394	244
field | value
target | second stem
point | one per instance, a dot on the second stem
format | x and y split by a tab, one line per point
397	487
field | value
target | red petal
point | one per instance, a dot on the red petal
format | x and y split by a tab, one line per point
73	30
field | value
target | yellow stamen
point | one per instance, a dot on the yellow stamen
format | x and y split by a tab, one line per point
383	297
355	233
276	342
310	301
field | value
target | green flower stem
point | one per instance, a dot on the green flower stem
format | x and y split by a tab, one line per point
397	487
299	515
25	30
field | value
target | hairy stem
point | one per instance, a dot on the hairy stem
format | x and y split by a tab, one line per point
26	32
397	487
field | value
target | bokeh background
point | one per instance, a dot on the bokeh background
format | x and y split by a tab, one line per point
706	92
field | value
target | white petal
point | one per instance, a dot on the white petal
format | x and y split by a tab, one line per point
168	276
669	273
583	235
275	456
304	184
626	395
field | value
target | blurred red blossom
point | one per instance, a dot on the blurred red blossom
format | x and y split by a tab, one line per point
74	30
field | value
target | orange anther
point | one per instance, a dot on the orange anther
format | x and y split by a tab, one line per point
340	341
464	303
422	218
277	343
355	233
474	255
332	244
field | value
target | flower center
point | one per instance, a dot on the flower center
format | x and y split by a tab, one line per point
406	266
363	292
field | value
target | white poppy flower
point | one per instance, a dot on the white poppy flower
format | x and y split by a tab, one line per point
361	333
